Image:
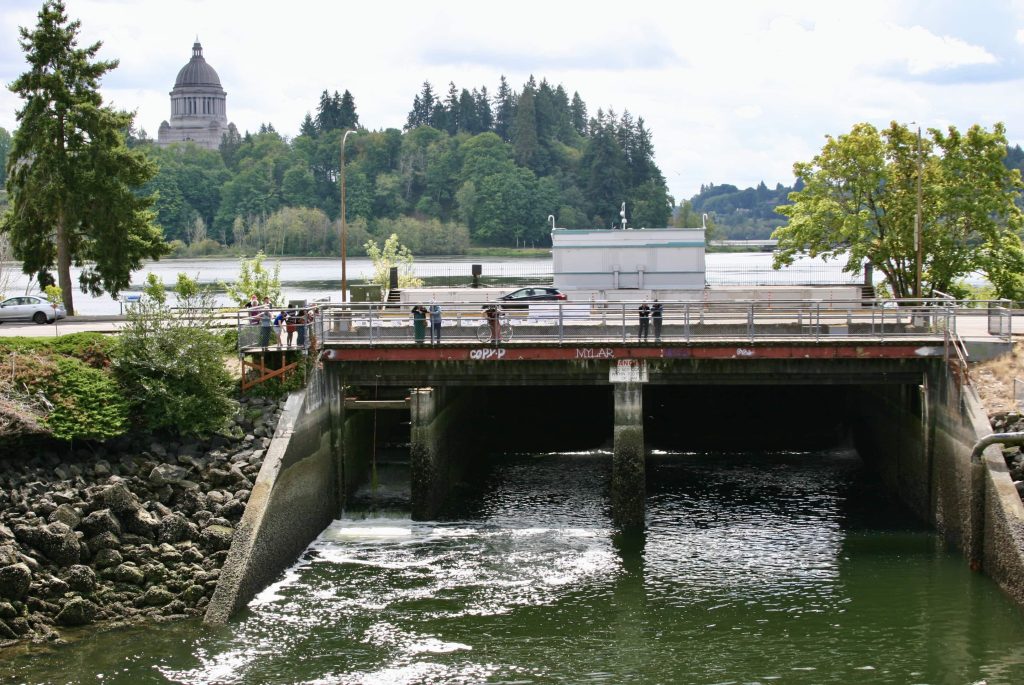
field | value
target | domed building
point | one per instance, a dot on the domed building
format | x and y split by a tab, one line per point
198	105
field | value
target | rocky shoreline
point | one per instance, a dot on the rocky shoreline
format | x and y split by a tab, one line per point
125	532
1011	422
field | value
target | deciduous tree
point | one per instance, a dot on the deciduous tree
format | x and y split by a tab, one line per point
859	202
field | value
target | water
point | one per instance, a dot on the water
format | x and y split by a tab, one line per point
316	278
756	568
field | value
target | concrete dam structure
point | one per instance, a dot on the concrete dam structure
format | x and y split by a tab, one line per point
904	403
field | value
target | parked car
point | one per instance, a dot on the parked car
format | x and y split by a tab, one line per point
534	293
30	308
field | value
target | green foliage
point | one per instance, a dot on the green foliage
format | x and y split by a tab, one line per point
87	403
171	364
392	254
255	279
860	202
427	236
93	349
72	180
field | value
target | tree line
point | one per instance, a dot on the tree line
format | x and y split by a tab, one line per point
487	170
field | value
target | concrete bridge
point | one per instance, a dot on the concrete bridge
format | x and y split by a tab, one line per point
892	383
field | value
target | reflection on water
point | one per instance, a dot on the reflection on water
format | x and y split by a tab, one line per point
755	568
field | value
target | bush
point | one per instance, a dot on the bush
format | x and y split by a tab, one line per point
92	348
172	365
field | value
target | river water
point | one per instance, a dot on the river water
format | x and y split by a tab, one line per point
755	568
316	278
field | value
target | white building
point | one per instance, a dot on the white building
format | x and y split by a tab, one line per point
647	259
198	106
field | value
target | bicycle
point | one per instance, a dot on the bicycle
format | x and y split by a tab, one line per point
483	331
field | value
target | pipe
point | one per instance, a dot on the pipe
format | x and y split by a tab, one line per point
993	438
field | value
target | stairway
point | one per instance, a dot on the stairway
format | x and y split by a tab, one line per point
868	295
394	296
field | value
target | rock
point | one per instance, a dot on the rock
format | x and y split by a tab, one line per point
219	477
7	610
65	497
232	510
164	474
6	632
62	472
119	499
15	581
80	578
129	573
101	468
77	612
174	528
1020	487
140	522
192	594
8	555
217	537
158	449
105	540
56	541
156	597
66	514
106	558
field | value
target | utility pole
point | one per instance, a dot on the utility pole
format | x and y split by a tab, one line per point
918	229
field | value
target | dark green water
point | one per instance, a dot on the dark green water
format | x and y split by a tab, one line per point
755	569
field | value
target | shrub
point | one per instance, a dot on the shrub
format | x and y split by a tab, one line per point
171	364
87	403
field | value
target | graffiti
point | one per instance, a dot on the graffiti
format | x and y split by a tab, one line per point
741	352
592	353
487	353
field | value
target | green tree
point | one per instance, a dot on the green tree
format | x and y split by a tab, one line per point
171	363
72	180
391	254
859	201
255	279
5	146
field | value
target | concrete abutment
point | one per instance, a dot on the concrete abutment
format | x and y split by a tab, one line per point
628	454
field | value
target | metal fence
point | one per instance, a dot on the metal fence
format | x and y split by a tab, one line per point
680	321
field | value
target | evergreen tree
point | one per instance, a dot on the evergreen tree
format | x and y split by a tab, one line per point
308	127
426	105
412	120
524	131
467	113
347	117
484	116
71	178
504	104
451	107
230	142
578	113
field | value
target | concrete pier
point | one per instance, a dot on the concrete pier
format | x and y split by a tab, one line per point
628	489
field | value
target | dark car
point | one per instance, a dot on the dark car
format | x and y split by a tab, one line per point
536	293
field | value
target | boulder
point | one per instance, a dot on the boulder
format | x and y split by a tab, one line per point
15	581
77	612
156	597
80	578
129	573
174	528
7	610
105	540
66	514
164	474
119	499
141	522
106	558
192	594
56	541
217	537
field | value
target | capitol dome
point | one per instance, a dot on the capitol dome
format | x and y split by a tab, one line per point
198	105
197	72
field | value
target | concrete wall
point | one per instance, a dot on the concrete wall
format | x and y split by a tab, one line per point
293	499
920	439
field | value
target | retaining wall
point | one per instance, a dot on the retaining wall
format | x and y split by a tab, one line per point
294	498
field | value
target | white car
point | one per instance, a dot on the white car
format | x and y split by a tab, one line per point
30	308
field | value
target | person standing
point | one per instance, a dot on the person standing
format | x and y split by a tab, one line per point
494	321
656	313
435	323
279	326
645	321
419	323
266	324
301	321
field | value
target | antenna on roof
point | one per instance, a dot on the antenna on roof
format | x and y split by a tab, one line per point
622	213
551	218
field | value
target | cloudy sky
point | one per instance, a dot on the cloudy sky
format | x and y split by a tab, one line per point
734	92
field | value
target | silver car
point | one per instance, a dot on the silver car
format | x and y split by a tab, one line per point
30	308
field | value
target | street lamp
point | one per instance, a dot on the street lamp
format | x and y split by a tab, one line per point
344	223
918	230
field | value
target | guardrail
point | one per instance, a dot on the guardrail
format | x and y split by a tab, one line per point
680	321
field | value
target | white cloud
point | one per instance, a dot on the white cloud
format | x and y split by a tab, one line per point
734	92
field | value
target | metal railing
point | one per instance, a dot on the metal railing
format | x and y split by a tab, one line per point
619	321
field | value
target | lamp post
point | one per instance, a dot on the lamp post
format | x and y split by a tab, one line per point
918	230
344	223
